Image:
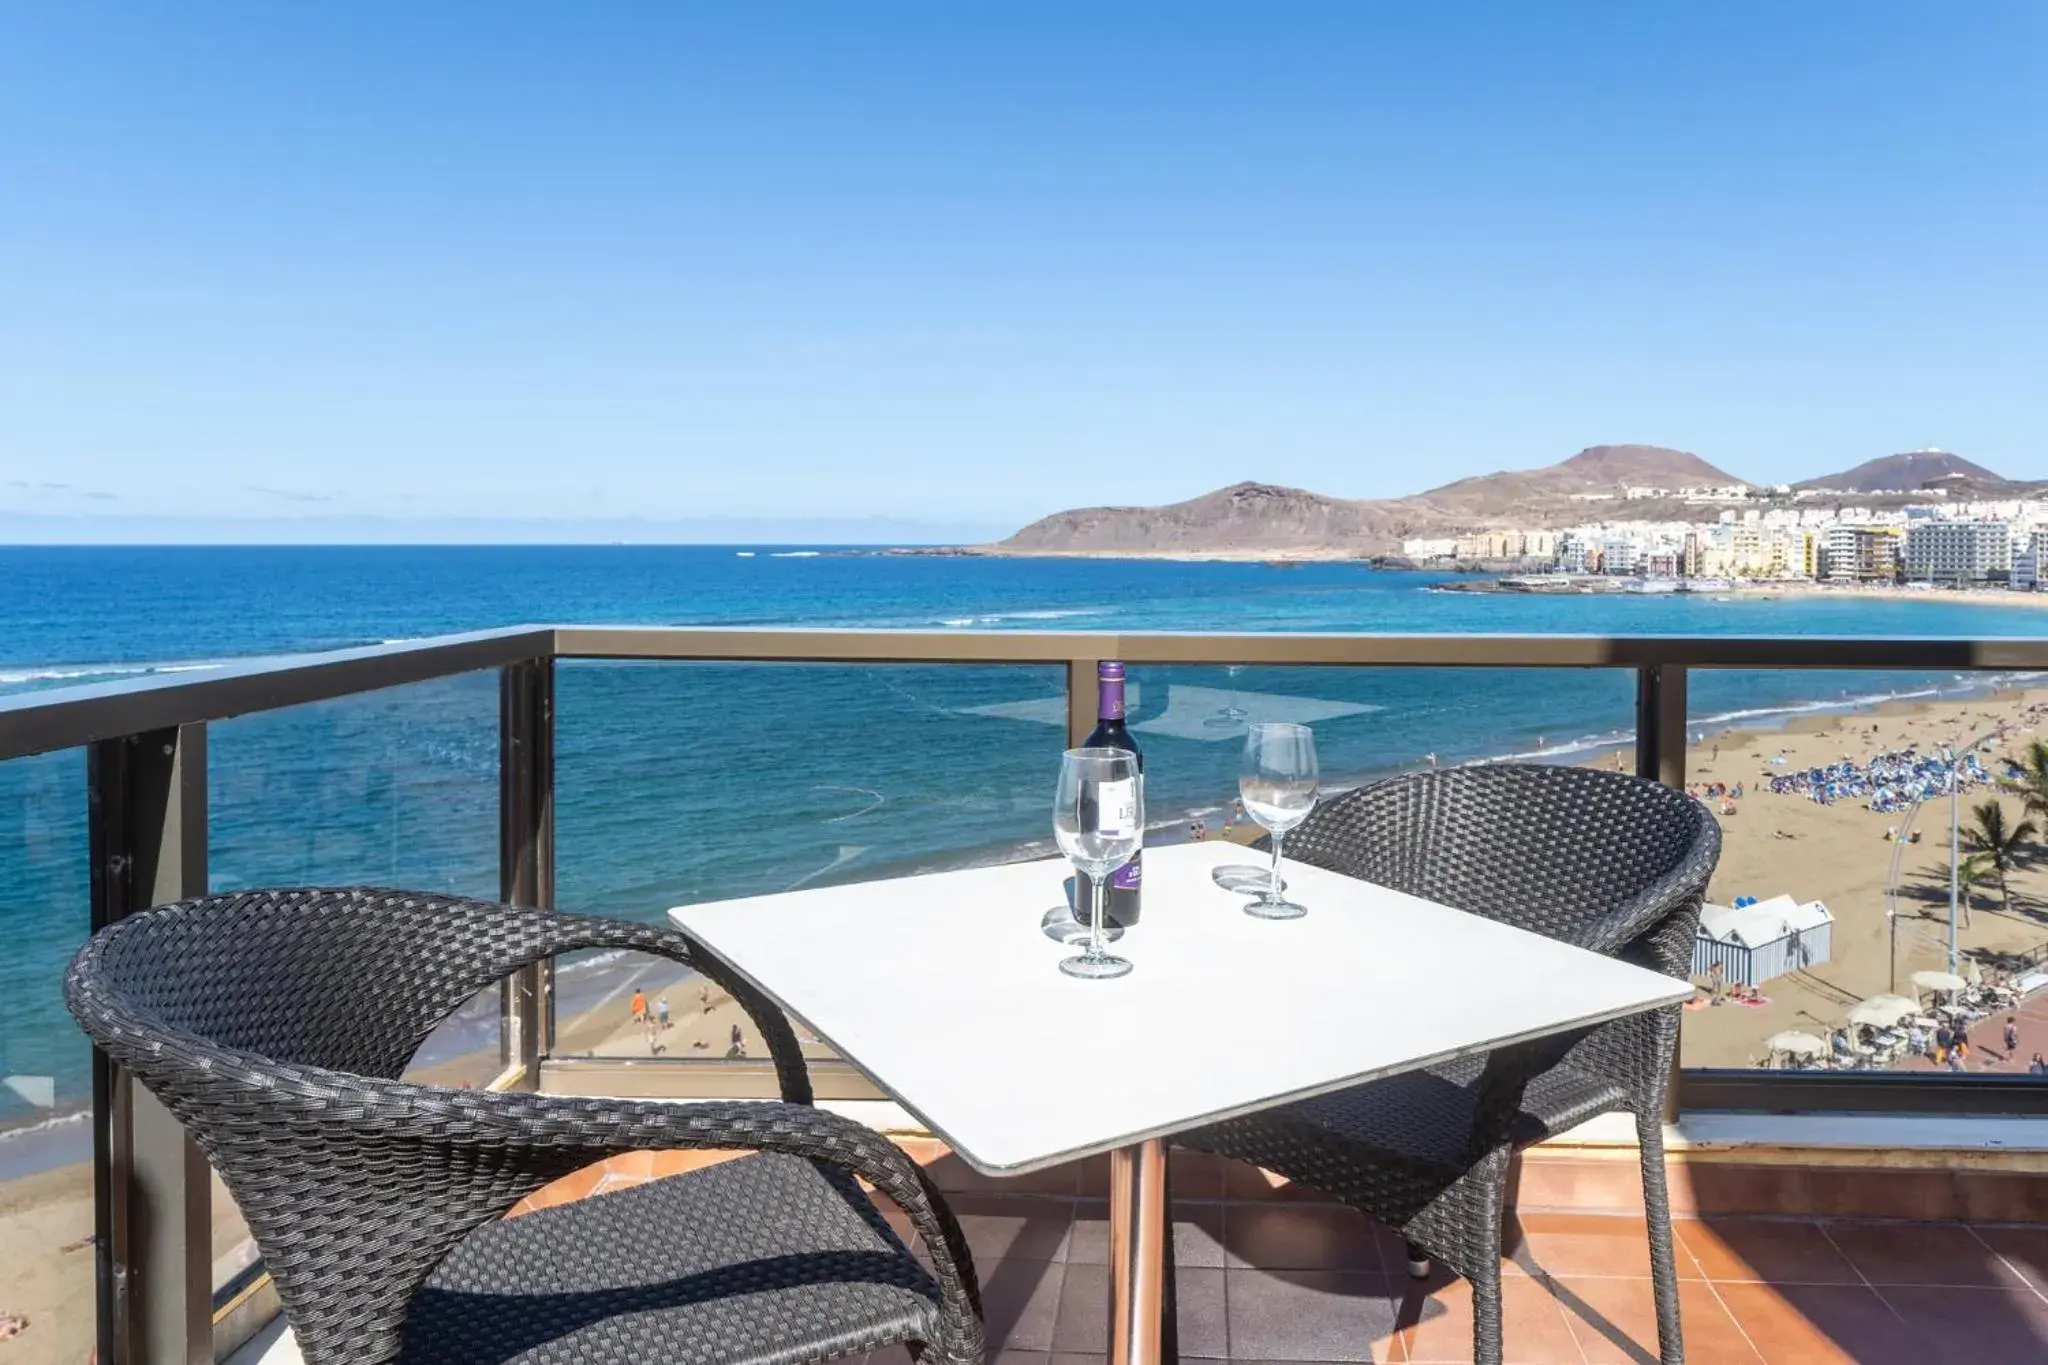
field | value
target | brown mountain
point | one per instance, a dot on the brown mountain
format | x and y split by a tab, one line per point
1596	469
1256	518
1262	519
1904	473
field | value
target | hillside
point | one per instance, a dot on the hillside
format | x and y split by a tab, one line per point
1903	473
1253	519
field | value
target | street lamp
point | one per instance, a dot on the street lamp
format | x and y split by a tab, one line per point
1952	756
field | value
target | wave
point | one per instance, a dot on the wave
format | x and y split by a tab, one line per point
995	618
1808	707
60	1120
794	554
15	677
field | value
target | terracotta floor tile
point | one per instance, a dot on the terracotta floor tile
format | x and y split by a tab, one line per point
634	1165
1615	1320
1289	1236
1202	1317
1623	1251
1021	1302
1975	1326
1438	1327
678	1162
1195	1175
1822	1324
1917	1254
1780	1251
1024	1227
2024	1250
611	1182
1197	1235
1318	1315
1243	1181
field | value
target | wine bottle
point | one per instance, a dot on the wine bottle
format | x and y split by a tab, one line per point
1126	883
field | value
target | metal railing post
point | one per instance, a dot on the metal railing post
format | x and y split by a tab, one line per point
1660	756
153	1191
526	855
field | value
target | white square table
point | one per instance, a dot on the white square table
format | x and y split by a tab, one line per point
944	991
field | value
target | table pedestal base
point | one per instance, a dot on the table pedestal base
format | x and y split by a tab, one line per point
1138	1229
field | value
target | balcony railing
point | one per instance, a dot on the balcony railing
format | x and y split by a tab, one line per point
146	796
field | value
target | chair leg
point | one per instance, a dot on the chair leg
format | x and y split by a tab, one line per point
1486	1339
1657	1213
1419	1264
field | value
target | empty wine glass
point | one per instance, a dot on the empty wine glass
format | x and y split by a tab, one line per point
1098	817
1278	783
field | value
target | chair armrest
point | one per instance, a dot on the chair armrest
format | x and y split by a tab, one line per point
1643	912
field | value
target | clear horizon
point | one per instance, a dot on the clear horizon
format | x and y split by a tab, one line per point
963	269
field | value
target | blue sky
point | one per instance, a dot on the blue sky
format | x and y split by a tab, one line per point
539	261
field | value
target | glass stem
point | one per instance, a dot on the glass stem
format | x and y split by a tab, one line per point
1273	888
1098	903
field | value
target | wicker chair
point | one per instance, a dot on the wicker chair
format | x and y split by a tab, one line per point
274	1024
1611	863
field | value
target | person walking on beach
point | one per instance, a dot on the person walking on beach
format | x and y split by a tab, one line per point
661	1009
2012	1035
639	1006
739	1043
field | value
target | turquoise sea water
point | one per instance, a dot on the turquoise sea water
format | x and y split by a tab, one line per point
687	782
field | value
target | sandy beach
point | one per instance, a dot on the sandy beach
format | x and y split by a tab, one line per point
1839	854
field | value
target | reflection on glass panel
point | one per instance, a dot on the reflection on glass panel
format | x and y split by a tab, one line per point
46	1216
680	783
1368	723
392	788
1831	938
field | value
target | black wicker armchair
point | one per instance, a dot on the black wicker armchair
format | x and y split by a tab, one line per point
1611	863
275	1025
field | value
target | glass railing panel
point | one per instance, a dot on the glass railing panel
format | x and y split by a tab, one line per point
396	788
46	1198
1369	723
682	783
1830	929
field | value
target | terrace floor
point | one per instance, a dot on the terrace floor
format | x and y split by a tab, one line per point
1277	1281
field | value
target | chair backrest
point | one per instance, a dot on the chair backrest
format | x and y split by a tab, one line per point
1549	849
350	979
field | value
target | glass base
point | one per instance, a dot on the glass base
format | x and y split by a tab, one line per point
1270	908
1060	926
1094	966
1244	879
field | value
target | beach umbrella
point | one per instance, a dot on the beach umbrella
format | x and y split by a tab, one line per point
1939	981
1882	1011
1793	1043
1970	972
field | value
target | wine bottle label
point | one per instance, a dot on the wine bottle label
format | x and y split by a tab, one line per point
1130	876
1117	804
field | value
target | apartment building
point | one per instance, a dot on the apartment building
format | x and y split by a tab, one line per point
1958	552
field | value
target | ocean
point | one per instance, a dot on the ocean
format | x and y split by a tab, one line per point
685	782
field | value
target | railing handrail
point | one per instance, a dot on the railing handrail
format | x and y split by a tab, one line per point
67	717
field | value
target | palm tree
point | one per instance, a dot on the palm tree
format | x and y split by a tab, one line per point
1971	873
2031	786
1995	846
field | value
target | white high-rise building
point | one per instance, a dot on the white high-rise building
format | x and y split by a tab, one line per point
1958	552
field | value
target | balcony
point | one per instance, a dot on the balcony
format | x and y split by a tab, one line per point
1858	1211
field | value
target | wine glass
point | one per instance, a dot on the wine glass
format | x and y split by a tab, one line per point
1278	783
1098	817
